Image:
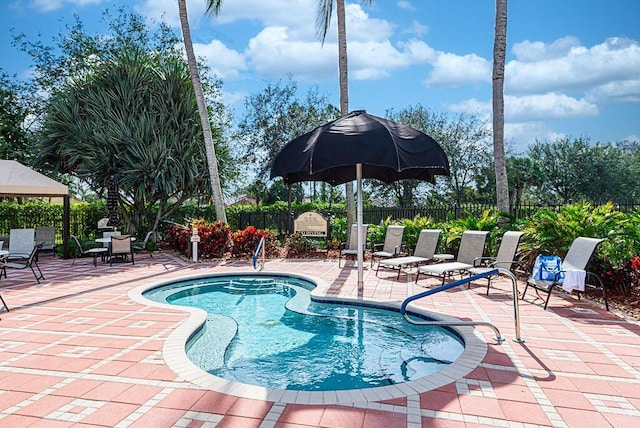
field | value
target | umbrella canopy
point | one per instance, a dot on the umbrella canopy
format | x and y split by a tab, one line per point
360	145
112	203
388	151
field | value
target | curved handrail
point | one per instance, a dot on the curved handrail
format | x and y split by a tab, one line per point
492	272
255	255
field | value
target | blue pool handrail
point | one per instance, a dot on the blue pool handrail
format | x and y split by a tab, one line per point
492	272
255	255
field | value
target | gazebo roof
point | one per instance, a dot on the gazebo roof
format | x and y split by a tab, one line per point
19	180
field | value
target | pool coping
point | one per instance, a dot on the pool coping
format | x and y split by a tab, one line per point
175	356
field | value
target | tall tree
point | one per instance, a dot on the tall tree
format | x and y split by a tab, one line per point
323	21
499	54
275	115
14	139
464	138
213	7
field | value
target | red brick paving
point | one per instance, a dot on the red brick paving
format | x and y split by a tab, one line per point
76	351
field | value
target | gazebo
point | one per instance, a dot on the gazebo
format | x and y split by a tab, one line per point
17	180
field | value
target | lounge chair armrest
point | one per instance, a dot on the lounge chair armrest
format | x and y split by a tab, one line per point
512	262
377	247
483	261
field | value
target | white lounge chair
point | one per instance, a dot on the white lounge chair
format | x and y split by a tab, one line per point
392	244
471	247
577	258
505	259
352	249
29	262
423	253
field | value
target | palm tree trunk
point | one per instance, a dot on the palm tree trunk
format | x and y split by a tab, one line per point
499	53
344	100
212	160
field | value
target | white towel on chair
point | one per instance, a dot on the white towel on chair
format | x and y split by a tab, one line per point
574	280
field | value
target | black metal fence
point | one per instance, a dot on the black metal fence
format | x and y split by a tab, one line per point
283	223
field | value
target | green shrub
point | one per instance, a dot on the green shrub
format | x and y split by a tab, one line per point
298	245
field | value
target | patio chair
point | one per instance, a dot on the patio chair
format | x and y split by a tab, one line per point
46	235
505	259
577	258
352	249
121	246
109	235
423	253
392	244
142	246
30	262
21	243
94	252
471	247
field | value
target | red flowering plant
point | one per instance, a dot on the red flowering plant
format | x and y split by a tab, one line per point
246	241
215	238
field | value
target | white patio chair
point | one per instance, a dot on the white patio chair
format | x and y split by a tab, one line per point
423	253
505	259
577	258
352	249
471	247
21	243
392	244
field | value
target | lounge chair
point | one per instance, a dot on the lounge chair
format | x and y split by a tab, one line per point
352	249
392	244
423	253
46	235
21	243
142	246
121	246
576	259
30	262
505	259
471	247
94	252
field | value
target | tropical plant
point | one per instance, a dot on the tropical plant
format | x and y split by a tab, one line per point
213	7
134	118
298	245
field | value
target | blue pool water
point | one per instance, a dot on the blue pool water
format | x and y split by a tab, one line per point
266	331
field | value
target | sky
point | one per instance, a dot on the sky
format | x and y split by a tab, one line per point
573	66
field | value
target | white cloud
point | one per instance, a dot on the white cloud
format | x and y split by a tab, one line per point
520	135
453	70
626	91
416	28
528	51
405	5
546	106
49	5
565	66
531	108
224	62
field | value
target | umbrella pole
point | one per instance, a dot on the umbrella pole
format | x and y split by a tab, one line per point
359	222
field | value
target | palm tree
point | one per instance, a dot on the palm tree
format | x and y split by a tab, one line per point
323	20
213	7
499	53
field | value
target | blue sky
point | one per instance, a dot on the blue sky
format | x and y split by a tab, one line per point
573	66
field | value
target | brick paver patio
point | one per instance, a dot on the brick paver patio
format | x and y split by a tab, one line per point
76	351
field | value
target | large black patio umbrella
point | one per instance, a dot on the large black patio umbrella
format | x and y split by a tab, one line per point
112	203
356	146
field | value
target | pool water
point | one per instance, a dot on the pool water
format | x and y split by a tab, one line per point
267	332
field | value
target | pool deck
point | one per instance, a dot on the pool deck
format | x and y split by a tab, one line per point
78	351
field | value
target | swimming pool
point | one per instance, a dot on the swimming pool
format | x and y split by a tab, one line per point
399	355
